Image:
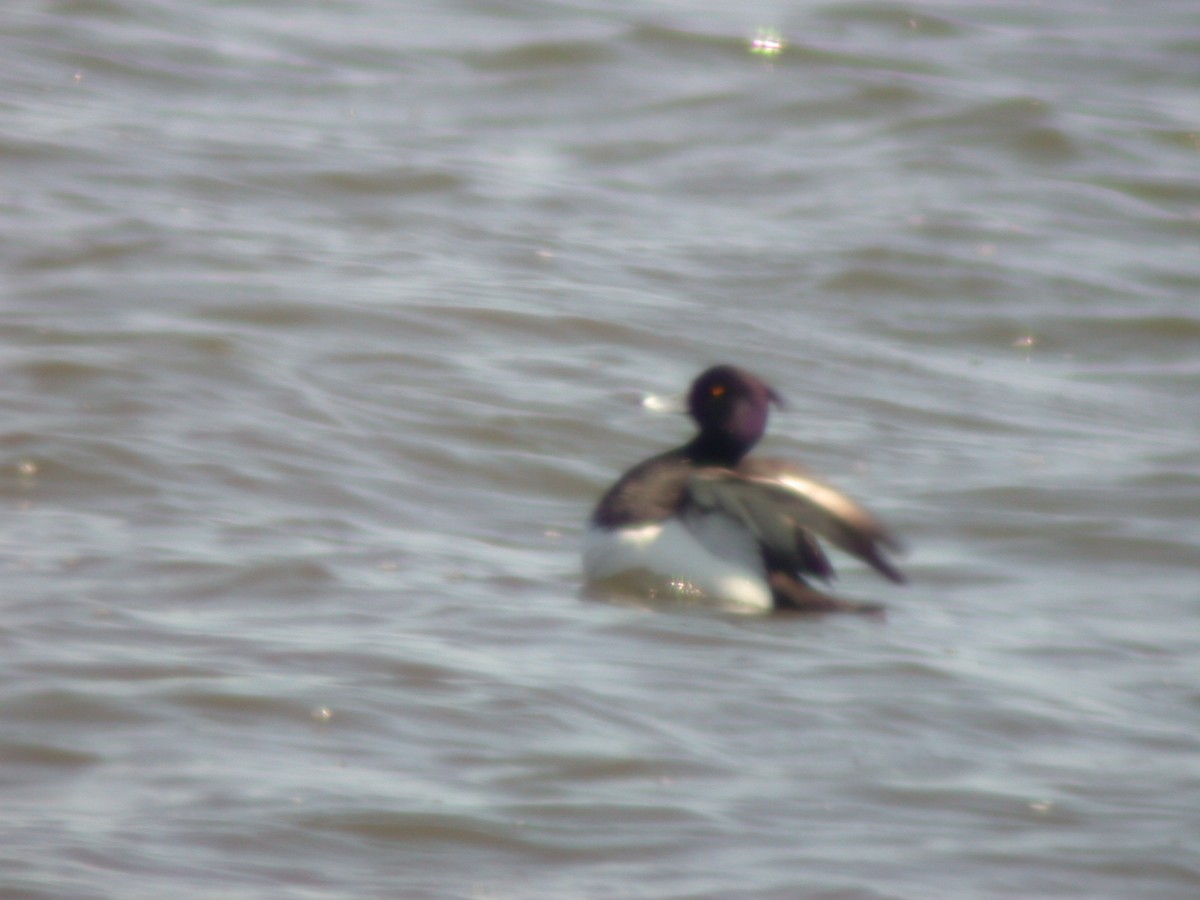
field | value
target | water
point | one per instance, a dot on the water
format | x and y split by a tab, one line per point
325	324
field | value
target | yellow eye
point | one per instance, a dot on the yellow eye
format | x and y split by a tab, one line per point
718	390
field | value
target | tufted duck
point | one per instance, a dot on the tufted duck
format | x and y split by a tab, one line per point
704	521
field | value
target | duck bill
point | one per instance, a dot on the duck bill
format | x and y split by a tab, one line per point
666	403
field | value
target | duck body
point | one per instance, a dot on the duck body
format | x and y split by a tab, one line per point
703	522
647	527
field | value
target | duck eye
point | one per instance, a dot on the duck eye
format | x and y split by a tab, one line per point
718	390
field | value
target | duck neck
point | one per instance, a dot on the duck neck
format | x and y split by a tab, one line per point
716	448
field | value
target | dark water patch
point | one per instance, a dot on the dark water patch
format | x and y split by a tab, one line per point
104	249
274	314
1177	195
897	18
96	372
1107	338
551	774
1039	501
100	9
877	96
891	278
452	832
71	706
1045	145
230	705
1056	867
123	671
624	152
982	117
569	53
102	345
1121	552
1176	281
397	181
29	151
687	47
46	756
812	55
1024	128
1165	486
287	577
52	468
1185	139
549	833
685	44
957	806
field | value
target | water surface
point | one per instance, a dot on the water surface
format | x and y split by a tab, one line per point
324	326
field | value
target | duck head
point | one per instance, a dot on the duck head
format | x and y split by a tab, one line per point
730	407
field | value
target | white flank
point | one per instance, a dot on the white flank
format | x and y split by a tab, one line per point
673	553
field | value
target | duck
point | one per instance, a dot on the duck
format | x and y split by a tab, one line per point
709	523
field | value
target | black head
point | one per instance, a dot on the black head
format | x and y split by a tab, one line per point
730	407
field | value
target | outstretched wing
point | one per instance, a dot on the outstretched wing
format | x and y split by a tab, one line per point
785	507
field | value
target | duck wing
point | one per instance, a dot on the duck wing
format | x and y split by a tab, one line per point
786	509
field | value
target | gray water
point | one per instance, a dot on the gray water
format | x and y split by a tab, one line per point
324	324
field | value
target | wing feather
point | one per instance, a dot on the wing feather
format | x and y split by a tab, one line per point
785	507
